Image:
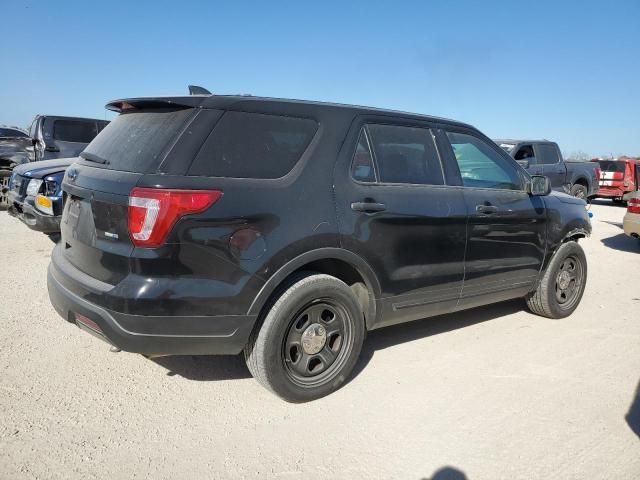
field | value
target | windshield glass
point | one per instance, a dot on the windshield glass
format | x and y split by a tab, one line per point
11	132
507	147
136	141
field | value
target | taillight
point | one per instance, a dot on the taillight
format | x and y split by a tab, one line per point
154	211
618	176
598	173
633	205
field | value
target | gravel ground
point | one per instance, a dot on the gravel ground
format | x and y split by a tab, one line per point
489	393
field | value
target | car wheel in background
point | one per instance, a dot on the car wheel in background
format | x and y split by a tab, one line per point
5	175
562	285
579	191
310	339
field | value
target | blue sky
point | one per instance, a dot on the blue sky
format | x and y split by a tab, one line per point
564	70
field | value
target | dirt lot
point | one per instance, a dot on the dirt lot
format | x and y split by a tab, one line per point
490	393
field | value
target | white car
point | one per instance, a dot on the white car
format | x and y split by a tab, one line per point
631	222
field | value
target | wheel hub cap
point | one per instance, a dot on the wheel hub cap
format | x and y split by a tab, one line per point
563	280
314	339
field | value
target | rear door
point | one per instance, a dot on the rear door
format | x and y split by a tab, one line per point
66	138
506	229
396	212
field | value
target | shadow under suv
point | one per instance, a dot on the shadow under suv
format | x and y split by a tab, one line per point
287	229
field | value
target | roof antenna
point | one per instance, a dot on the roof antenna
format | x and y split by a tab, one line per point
196	90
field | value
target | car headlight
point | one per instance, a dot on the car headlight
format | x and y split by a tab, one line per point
33	187
44	204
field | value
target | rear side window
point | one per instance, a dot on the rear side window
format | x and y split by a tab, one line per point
136	141
362	164
74	131
252	145
405	155
547	154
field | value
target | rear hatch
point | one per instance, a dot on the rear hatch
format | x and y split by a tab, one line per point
94	226
612	173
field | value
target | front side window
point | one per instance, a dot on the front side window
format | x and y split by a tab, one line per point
548	154
525	152
253	145
405	155
481	166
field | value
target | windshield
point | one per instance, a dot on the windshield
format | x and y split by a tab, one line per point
136	141
507	147
11	132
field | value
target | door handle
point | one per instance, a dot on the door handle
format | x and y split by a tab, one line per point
486	209
368	207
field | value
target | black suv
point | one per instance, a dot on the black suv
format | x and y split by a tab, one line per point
287	229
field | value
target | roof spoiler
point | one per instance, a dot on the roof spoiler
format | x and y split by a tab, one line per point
191	101
196	90
130	104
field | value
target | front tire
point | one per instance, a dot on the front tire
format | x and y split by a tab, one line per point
309	341
562	285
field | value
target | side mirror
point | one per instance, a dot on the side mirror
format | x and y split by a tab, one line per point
539	186
523	163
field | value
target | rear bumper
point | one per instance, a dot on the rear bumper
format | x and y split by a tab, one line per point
631	224
610	192
151	335
32	218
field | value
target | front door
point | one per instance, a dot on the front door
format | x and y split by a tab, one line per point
396	212
506	230
548	155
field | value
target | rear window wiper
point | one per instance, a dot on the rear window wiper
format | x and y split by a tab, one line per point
94	158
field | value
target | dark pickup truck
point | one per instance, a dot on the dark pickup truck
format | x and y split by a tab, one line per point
542	157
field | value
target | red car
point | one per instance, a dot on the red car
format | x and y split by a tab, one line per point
618	178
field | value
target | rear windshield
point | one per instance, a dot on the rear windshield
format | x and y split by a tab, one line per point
606	166
136	141
252	145
74	131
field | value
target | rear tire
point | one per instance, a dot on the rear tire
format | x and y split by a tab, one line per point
562	285
579	191
310	339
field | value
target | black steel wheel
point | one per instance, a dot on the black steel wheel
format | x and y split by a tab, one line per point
313	347
309	340
569	281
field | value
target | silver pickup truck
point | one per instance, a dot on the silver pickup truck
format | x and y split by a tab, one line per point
542	157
